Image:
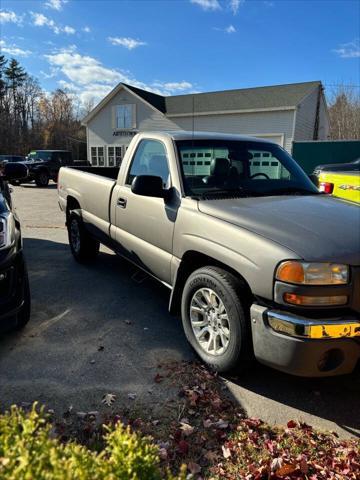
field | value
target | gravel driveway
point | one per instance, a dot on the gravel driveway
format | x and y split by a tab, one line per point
104	328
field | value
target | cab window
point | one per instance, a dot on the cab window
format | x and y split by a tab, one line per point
150	159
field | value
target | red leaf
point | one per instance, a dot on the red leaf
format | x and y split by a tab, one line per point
158	378
183	447
291	424
286	469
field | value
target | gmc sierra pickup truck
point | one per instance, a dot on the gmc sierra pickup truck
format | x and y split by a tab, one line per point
258	261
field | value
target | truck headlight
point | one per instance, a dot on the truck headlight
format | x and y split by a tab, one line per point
7	231
303	273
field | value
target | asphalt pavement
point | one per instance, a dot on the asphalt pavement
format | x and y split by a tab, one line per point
105	328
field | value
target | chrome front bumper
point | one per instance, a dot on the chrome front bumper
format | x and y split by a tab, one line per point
303	346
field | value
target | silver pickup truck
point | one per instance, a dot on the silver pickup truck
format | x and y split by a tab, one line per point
258	262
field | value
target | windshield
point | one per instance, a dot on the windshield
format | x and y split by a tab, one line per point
39	155
222	167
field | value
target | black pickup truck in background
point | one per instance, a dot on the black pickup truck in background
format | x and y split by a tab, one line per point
44	165
14	282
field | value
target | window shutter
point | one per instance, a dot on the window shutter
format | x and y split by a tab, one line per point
133	116
113	117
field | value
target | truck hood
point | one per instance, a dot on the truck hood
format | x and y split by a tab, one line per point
316	227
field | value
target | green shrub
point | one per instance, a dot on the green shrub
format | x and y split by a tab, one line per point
29	451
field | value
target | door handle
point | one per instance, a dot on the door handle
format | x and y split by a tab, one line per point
121	202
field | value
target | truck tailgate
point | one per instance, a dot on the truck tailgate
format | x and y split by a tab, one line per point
93	193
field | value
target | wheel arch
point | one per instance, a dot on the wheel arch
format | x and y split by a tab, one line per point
71	204
193	260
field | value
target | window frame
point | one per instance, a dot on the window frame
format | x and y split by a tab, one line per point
97	156
132	125
127	173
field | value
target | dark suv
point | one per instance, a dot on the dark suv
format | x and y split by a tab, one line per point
44	165
14	282
11	158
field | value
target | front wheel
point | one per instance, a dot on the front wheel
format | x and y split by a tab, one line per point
83	247
214	312
42	179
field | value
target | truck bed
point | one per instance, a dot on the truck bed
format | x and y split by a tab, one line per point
108	172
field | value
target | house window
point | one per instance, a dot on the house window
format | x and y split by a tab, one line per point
125	116
97	156
114	156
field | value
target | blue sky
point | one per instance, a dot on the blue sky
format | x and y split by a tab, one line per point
181	46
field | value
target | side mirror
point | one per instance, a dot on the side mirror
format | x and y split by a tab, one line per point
148	186
15	171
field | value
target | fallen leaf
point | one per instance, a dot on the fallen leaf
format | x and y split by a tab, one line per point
163	453
194	468
158	378
108	399
186	429
286	469
132	396
183	447
226	452
291	424
207	423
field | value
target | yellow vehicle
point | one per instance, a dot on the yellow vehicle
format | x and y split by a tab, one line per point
341	184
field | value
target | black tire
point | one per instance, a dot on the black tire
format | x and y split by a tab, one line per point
42	179
83	246
24	314
238	353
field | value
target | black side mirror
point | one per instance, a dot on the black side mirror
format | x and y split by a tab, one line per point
15	171
148	186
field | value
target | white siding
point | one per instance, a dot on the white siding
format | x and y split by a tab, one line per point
257	123
100	128
305	118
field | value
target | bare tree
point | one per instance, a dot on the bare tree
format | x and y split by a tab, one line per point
344	111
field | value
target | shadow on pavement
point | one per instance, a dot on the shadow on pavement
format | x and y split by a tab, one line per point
105	327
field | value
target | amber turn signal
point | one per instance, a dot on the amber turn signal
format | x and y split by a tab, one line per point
291	272
307	301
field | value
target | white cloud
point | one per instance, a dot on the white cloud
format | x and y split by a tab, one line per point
56	4
235	5
86	29
171	87
7	16
349	50
69	30
230	29
40	20
129	43
13	50
87	78
207	4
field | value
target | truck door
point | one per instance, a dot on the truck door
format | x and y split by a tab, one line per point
145	225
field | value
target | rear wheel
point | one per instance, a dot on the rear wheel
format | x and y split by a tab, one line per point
214	313
83	246
24	314
42	179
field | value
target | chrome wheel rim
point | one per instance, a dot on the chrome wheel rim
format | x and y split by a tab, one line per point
75	235
209	321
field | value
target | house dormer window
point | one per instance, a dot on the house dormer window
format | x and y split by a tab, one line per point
125	116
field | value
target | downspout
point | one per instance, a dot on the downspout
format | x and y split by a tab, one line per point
317	114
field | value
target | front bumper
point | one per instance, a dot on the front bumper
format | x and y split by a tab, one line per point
303	346
12	270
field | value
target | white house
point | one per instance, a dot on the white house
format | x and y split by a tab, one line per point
280	113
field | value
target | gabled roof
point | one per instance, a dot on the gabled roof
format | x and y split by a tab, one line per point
276	97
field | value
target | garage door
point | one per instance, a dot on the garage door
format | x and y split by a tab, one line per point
276	138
